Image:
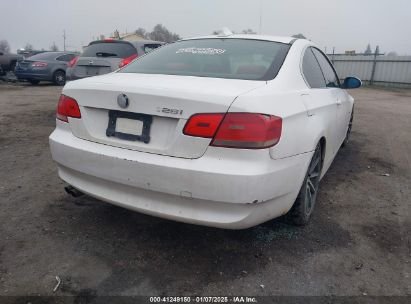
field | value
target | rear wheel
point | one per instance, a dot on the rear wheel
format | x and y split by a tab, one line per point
304	204
59	78
34	81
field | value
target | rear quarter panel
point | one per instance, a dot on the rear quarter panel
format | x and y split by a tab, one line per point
296	136
282	97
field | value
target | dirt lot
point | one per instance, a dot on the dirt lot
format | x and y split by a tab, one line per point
357	244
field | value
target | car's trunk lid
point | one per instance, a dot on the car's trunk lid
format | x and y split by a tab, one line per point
94	66
24	64
168	100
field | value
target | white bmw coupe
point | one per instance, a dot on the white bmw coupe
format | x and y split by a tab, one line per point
223	131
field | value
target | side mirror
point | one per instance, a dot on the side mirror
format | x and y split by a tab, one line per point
351	83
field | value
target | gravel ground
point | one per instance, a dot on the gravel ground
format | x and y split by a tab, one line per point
357	244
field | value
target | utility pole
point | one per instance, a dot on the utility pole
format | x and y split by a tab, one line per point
64	40
261	18
374	64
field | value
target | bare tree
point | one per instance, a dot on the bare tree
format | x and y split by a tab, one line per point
141	32
248	31
28	47
368	50
54	47
4	46
161	33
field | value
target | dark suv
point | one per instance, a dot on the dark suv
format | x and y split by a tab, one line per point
105	56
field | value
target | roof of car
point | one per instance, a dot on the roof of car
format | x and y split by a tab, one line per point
48	54
140	42
56	53
281	39
134	42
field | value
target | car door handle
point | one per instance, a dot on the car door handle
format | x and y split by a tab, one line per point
339	102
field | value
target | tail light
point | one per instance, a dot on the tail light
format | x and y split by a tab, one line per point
73	62
203	125
236	130
39	64
67	107
127	60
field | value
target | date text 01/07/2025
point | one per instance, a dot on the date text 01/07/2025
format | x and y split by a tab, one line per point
203	299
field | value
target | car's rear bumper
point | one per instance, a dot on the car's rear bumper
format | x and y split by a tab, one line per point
234	193
70	75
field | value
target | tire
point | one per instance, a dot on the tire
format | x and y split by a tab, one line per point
303	207
347	136
34	81
59	78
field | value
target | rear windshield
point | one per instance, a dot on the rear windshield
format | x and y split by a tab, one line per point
109	49
220	58
150	47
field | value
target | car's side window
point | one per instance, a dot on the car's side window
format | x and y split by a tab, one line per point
330	76
150	47
312	71
66	57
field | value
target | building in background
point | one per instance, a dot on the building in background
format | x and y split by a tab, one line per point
351	52
126	36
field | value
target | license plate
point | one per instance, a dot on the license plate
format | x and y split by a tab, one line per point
92	71
129	126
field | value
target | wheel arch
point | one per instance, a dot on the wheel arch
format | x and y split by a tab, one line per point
58	70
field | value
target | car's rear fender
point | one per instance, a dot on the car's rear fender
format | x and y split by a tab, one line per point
295	137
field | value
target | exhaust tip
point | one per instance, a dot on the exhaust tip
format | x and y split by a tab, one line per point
73	191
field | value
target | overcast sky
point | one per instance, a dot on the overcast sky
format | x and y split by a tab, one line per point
347	25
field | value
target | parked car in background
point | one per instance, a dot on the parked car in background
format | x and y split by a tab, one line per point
105	56
224	131
8	61
29	53
47	66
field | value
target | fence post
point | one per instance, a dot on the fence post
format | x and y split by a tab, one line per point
374	65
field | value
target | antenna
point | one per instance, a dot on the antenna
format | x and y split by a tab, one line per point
64	40
261	16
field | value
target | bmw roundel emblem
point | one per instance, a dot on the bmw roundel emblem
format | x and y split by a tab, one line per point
122	101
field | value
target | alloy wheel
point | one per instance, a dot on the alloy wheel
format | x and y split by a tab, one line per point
312	181
59	78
